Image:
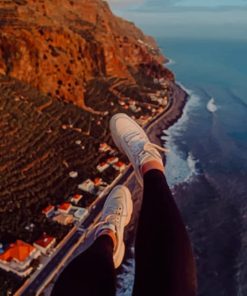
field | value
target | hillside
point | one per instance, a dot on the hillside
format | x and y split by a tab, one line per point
65	68
60	47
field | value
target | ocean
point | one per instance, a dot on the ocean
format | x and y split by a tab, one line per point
207	163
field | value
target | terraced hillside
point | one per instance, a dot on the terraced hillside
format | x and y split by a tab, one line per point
44	139
37	151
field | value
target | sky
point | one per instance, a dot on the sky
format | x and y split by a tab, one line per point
219	19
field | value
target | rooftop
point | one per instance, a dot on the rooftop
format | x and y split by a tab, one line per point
44	241
64	206
18	250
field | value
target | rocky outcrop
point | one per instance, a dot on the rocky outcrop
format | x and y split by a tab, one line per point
60	46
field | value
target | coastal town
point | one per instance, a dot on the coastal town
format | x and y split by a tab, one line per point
61	216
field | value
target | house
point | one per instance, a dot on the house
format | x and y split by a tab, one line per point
48	211
87	186
73	174
97	182
76	198
104	147
81	214
45	243
63	219
119	166
102	167
18	257
112	160
64	208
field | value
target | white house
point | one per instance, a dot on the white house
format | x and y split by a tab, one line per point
18	257
102	167
48	211
87	186
119	166
64	208
112	160
76	198
81	214
45	243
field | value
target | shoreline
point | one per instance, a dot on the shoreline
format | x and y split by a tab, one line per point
169	116
154	129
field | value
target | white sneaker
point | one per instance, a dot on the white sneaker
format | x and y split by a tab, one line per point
116	215
132	140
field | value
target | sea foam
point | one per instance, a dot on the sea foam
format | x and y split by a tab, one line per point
211	106
170	62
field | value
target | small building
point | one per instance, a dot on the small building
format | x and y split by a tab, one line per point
76	198
87	186
73	174
64	208
81	214
64	219
102	167
97	182
112	160
45	243
119	166
18	257
49	211
104	147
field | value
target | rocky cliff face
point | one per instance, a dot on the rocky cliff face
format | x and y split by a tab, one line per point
61	46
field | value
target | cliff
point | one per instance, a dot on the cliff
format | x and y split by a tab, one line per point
65	68
60	47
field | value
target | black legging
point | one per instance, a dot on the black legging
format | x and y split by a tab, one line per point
164	260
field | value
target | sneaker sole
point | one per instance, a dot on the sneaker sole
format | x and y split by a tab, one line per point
118	259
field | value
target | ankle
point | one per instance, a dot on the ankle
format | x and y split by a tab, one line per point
109	233
152	165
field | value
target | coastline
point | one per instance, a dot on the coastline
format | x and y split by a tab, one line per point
169	116
154	129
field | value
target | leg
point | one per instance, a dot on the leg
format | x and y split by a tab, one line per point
91	273
164	258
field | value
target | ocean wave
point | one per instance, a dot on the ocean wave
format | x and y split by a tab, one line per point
170	62
193	164
181	167
211	106
193	102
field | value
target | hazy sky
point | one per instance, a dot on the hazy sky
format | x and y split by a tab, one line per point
187	18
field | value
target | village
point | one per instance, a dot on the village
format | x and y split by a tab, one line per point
23	258
18	257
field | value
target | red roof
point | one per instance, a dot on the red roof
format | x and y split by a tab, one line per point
48	209
97	181
113	158
64	206
104	146
77	196
44	241
19	251
119	164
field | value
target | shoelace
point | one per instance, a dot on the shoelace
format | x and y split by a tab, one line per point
113	218
137	139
